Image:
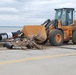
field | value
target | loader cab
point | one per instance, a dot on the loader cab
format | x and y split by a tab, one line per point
65	15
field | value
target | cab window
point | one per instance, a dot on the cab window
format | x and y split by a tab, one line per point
63	18
70	17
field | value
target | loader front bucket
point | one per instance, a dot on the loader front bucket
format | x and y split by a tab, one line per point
35	31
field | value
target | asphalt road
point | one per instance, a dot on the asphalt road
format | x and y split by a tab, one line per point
51	61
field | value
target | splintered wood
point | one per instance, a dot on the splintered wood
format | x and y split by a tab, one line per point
22	42
29	43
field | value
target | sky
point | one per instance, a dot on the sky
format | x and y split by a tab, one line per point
30	12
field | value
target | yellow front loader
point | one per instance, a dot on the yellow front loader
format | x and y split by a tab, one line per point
57	31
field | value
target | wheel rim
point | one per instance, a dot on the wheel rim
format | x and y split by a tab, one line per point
58	38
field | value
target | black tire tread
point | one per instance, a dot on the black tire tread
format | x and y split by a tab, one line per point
52	37
66	41
74	37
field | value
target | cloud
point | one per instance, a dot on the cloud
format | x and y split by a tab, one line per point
8	9
20	12
7	1
9	17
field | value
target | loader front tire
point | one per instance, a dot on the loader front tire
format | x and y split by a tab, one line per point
56	37
74	37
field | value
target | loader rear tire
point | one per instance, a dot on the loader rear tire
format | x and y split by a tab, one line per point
56	37
74	37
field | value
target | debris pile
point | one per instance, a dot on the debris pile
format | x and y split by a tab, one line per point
21	42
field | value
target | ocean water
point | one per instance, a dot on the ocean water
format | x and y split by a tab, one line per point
4	29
